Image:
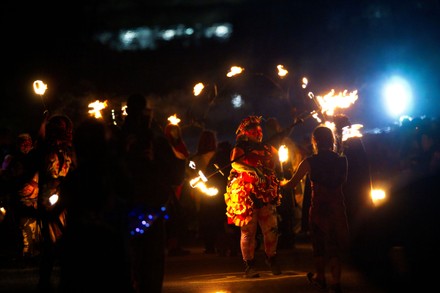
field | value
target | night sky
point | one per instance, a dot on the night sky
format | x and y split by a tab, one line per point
336	44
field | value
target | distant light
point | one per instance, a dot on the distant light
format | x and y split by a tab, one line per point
144	37
237	101
168	34
222	31
378	196
398	96
128	36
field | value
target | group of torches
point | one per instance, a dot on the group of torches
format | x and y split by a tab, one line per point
326	106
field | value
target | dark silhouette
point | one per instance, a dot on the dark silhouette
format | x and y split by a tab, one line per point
357	188
94	255
176	225
49	163
24	196
153	170
327	216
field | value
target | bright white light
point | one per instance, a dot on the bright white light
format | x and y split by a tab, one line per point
128	36
169	34
398	95
222	31
237	101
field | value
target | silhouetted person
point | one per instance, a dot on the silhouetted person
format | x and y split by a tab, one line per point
357	189
24	195
327	218
209	209
153	171
288	218
50	162
95	256
176	225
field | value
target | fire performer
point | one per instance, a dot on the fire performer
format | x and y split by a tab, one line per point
252	194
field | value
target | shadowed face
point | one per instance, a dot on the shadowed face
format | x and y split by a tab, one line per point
255	133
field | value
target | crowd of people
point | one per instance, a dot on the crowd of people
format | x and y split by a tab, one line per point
75	194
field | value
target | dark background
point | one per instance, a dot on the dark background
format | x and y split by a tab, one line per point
336	44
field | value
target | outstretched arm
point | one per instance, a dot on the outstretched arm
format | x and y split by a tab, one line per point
303	169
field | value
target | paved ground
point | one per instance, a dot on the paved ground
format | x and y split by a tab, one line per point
200	273
208	273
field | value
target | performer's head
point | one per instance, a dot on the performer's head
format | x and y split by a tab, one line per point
250	129
323	139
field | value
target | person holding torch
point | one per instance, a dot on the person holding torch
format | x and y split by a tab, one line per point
252	194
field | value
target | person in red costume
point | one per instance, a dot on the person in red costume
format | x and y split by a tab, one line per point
252	194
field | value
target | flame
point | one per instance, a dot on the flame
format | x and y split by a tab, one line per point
53	199
234	71
40	87
281	71
97	106
198	88
2	211
124	110
305	82
283	153
353	131
378	196
174	119
315	115
330	101
200	183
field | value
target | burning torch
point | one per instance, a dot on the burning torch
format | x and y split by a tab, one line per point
40	88
283	155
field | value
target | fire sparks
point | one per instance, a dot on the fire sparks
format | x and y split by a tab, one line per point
97	107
